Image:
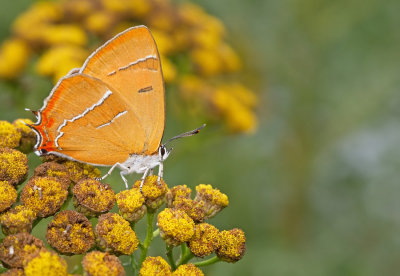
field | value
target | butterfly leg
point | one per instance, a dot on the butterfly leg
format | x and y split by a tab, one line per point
146	172
122	173
122	167
160	173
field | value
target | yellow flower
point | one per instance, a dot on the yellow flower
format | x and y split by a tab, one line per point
29	24
155	266
98	263
17	220
98	22
14	55
131	204
9	135
44	195
169	69
58	61
229	58
8	195
70	232
238	116
175	226
231	245
164	41
13	166
188	270
153	192
64	34
115	6
204	240
115	234
46	263
206	61
140	8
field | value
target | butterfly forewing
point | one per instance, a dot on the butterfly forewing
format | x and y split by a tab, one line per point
130	65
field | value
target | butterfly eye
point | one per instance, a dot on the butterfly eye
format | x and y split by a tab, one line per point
43	151
162	150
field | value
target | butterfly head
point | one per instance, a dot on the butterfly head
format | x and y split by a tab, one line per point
163	152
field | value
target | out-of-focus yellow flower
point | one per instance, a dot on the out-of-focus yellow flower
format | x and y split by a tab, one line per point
169	69
115	6
239	117
64	34
78	8
140	8
28	24
207	61
229	58
165	43
58	61
14	55
99	22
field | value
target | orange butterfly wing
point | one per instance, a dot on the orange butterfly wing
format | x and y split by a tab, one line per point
130	64
84	119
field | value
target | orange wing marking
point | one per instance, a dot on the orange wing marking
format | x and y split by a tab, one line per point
137	62
86	111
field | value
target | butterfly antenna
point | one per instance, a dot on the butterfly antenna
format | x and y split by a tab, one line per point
186	134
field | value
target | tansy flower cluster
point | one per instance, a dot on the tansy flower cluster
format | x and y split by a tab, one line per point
199	64
86	217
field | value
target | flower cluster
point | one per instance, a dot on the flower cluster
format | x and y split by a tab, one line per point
69	232
198	63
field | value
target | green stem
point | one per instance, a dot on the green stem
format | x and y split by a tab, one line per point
156	233
186	255
170	255
149	237
134	263
210	261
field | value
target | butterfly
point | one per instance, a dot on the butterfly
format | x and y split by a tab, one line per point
110	112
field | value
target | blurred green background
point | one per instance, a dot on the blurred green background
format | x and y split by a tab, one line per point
316	188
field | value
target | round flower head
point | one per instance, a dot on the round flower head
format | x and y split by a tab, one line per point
188	270
70	232
8	195
97	263
9	135
45	195
231	245
115	234
175	226
177	192
53	169
28	136
209	201
204	240
153	191
92	197
155	266
17	220
45	263
13	166
14	55
131	204
15	249
79	171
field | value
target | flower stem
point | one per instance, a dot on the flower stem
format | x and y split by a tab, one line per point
149	237
170	255
210	261
186	255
